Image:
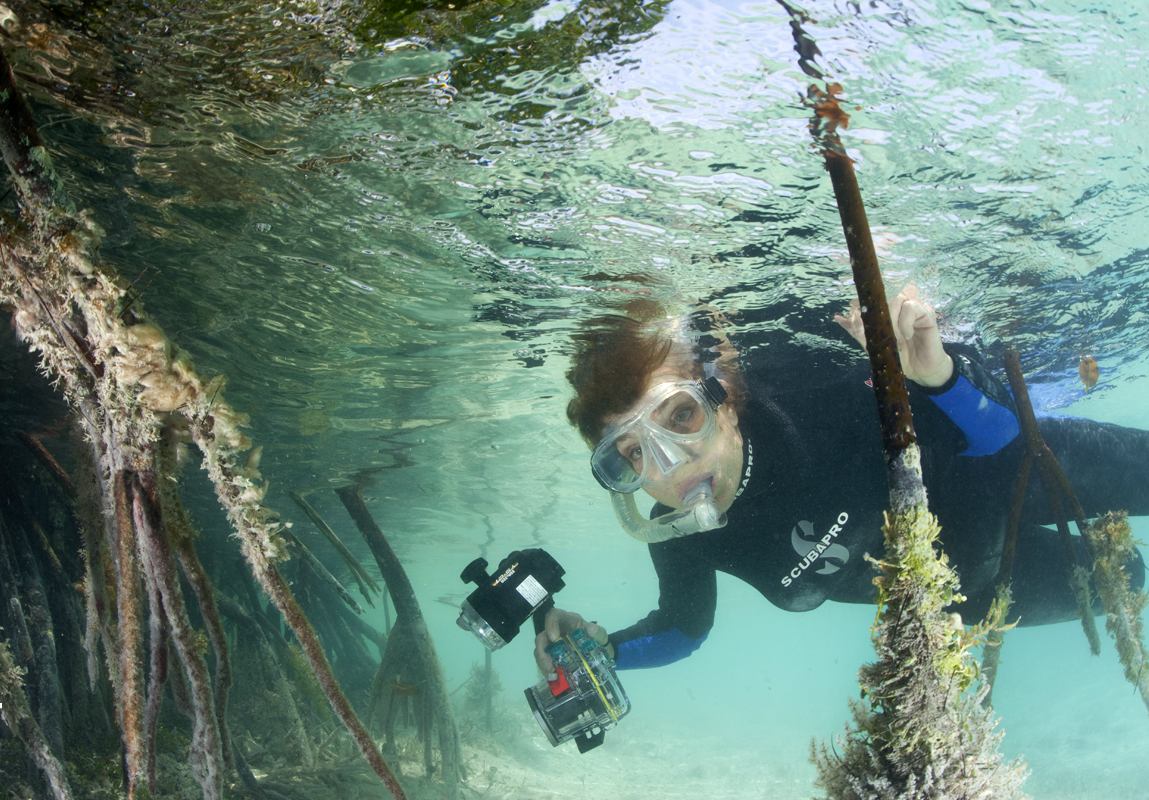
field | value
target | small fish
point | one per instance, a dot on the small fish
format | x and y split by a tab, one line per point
1088	371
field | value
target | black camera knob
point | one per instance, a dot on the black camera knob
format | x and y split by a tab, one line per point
475	572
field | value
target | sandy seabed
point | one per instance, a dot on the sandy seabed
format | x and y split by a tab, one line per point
521	764
525	767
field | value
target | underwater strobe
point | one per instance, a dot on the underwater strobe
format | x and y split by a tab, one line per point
583	697
524	582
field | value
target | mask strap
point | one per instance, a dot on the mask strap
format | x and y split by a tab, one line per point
712	387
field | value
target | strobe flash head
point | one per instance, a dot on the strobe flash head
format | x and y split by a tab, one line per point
523	582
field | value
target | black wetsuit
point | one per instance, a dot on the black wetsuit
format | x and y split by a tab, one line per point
815	489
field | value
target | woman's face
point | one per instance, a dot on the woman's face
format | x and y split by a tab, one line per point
717	459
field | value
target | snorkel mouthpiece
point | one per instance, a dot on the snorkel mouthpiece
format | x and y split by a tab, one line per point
699	501
699	513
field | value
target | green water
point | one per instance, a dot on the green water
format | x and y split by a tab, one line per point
385	232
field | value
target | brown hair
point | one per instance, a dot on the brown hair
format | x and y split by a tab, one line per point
615	354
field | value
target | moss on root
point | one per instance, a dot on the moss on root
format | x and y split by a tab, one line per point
921	730
1111	540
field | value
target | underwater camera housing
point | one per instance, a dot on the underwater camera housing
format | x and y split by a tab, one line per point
583	697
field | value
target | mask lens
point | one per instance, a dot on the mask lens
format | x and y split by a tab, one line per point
652	440
613	468
682	413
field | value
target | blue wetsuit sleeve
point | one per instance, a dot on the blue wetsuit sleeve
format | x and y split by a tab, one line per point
655	649
977	404
688	593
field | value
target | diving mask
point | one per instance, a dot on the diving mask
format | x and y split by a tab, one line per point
657	438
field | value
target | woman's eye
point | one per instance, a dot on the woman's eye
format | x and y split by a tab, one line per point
630	449
682	416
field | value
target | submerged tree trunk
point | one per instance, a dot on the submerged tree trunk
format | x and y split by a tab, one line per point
409	659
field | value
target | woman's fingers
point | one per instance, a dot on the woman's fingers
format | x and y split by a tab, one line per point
542	659
597	632
851	322
913	316
559	623
916	334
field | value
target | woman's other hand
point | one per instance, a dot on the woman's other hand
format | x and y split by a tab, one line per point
924	361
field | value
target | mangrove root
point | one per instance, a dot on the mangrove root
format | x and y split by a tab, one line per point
15	713
1112	542
409	659
126	383
366	585
921	732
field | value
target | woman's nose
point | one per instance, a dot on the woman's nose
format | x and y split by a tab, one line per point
666	457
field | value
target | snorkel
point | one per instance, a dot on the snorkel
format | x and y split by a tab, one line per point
699	513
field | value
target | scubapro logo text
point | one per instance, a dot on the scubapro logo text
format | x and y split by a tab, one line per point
833	555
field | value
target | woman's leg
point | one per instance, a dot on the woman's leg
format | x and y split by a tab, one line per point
1041	591
1107	466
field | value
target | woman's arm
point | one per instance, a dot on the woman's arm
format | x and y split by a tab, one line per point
688	593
